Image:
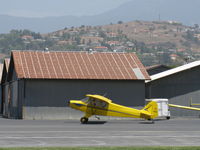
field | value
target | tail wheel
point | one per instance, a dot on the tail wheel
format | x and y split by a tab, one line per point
84	120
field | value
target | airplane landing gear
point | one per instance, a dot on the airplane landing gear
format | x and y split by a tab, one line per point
84	120
97	117
152	121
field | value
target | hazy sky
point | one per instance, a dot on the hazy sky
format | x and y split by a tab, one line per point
43	8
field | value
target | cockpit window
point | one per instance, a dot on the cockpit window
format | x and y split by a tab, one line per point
86	99
97	103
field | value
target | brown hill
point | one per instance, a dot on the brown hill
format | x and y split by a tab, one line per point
167	34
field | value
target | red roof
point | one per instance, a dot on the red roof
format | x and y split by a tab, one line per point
100	47
78	65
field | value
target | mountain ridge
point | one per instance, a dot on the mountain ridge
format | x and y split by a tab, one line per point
183	11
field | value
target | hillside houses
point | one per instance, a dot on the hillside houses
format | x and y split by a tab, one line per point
160	39
100	48
143	37
91	39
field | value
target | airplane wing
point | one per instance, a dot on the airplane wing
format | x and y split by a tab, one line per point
184	107
99	97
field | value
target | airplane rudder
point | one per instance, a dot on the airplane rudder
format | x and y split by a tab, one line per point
152	108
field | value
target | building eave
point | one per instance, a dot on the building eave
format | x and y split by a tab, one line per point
173	71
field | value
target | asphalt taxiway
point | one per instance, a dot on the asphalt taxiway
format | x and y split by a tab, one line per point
47	133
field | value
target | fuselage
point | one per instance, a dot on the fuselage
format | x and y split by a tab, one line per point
106	109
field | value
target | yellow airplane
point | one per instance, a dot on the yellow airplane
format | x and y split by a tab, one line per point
102	106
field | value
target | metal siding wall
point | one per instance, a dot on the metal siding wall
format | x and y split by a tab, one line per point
20	97
179	88
185	101
55	93
47	99
14	110
5	105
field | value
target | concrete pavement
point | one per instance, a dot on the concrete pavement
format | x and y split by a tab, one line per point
174	132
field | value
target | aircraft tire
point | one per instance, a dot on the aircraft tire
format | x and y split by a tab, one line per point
84	120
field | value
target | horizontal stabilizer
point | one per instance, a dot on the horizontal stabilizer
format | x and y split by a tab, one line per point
184	107
150	111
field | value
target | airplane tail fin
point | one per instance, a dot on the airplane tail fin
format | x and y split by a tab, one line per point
150	111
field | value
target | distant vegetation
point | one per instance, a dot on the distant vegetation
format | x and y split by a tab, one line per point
169	43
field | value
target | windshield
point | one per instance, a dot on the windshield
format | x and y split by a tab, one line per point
85	99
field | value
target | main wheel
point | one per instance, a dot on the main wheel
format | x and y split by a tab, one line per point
84	120
152	121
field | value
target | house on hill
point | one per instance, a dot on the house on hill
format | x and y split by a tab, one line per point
101	48
180	85
41	83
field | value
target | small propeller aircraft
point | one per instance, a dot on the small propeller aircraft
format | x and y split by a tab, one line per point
102	106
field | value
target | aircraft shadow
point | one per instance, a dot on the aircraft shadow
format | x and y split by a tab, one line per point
95	122
160	119
150	122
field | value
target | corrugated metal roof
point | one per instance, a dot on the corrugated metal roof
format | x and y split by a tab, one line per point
78	65
174	70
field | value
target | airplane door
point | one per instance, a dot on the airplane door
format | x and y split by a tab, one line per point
91	106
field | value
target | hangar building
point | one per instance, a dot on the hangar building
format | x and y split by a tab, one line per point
41	83
4	89
180	85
